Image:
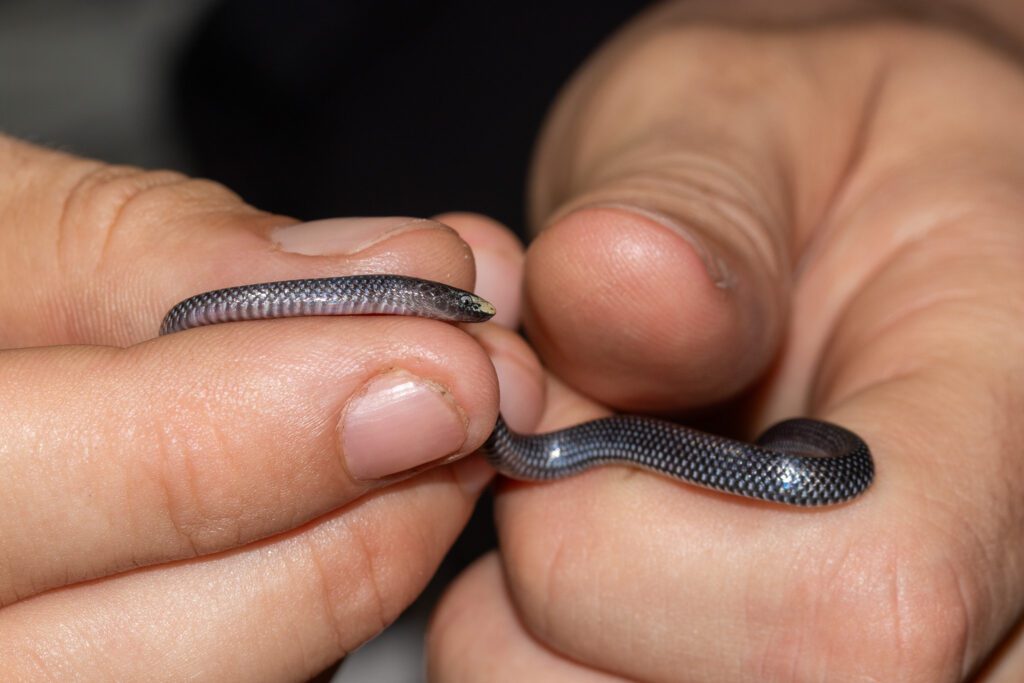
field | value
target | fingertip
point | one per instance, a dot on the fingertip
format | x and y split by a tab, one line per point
476	625
479	230
636	313
499	259
472	475
521	379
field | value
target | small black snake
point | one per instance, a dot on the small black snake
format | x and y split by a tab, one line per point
798	462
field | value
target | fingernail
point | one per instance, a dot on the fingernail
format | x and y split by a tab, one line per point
718	271
397	422
344	236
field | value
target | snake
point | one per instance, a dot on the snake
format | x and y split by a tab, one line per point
799	461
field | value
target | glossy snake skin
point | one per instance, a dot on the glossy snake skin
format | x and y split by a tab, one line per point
797	462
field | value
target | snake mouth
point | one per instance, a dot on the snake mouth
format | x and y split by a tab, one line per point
485	306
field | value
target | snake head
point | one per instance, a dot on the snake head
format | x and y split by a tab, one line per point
476	308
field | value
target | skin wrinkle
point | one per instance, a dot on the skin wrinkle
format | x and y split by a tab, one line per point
71	197
890	572
131	512
905	314
374	576
203	431
712	194
168	447
698	35
185	502
168	483
611	82
903	602
741	217
330	615
939	365
306	659
188	512
823	226
737	214
786	651
424	536
233	519
835	385
829	352
552	570
145	186
924	306
407	528
96	204
352	523
82	315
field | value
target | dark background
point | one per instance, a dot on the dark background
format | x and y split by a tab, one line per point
316	108
311	108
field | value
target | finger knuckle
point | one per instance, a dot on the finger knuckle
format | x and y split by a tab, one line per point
356	586
93	208
196	471
107	205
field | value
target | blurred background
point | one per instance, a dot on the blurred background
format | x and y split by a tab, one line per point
312	108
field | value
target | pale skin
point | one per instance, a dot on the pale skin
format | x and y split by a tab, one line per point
184	505
857	186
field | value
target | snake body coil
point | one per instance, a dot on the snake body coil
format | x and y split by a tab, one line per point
798	462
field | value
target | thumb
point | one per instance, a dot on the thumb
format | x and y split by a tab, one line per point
671	217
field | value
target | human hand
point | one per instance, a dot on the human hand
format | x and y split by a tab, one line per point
827	217
214	503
